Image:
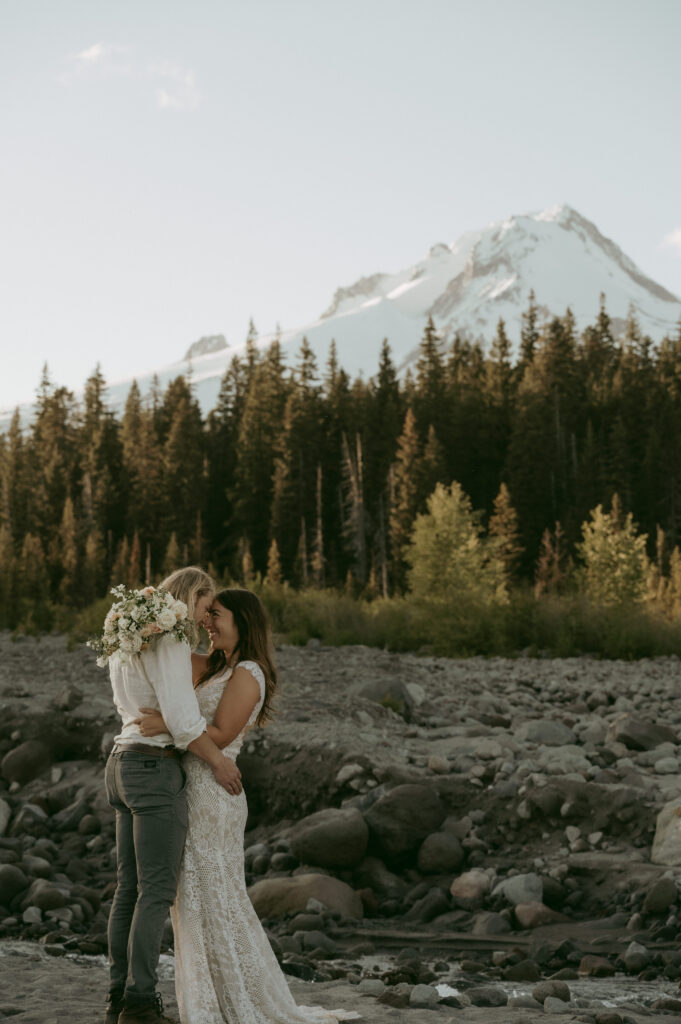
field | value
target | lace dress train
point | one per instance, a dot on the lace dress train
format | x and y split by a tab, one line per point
225	969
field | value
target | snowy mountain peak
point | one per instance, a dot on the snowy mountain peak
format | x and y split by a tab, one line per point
466	287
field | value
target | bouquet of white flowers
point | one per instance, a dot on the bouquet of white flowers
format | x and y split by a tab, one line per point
136	619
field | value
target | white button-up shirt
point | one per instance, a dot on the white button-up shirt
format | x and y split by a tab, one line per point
160	677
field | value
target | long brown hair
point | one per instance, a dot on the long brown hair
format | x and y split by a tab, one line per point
255	643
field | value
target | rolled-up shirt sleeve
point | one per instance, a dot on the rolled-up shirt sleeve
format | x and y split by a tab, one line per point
169	670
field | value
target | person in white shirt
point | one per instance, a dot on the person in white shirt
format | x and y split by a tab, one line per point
145	784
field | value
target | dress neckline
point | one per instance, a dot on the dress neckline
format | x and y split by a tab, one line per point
215	679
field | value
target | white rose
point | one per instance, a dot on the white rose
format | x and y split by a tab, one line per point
102	660
166	619
123	624
179	609
137	613
169	600
136	643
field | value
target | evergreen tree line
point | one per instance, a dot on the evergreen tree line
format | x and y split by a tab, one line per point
301	474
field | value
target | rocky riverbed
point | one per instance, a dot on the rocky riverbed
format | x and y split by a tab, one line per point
476	839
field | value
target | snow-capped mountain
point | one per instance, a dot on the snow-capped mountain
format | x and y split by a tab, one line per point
466	286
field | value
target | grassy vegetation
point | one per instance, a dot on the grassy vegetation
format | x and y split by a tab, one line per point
560	626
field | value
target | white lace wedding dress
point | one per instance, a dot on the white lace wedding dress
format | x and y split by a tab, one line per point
225	970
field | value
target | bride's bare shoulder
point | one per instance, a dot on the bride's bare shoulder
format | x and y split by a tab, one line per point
198	665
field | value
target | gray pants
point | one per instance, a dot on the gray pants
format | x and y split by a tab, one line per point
147	793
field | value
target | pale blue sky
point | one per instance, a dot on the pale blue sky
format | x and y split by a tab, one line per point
169	169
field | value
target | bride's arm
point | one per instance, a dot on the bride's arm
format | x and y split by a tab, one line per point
235	708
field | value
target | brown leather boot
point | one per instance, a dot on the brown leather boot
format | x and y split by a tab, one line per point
114	1005
148	1013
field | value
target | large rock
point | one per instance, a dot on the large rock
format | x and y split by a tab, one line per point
25	762
440	853
527	888
5	815
469	889
12	882
403	817
545	732
667	841
373	874
333	838
45	895
275	897
661	895
637	734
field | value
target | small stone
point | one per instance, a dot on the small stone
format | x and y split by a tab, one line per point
487	995
32	915
348	772
553	1005
608	1017
424	996
526	970
636	957
398	1000
534	915
667	766
490	923
552	987
371	987
438	765
593	966
525	888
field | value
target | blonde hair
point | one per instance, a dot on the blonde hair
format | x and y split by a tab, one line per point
188	585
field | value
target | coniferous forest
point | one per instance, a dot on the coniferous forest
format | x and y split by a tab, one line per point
303	477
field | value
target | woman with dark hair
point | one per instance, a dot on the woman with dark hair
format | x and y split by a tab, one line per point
225	969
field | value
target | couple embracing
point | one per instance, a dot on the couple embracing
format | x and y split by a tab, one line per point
181	814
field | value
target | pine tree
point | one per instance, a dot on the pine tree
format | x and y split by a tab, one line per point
428	402
553	567
355	527
33	587
318	560
7	579
258	440
67	556
183	460
172	560
274	576
529	333
406	495
121	563
134	574
94	567
503	529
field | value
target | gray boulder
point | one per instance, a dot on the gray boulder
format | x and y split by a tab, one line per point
5	815
440	853
25	762
637	734
546	732
661	895
527	888
12	882
332	838
373	874
667	841
403	817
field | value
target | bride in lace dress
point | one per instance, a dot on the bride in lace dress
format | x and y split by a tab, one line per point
225	969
